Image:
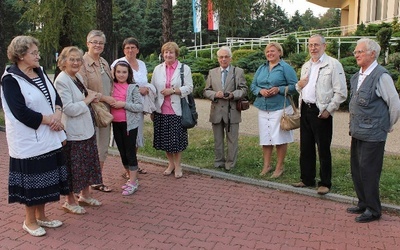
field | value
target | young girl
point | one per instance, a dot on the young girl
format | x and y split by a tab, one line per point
126	111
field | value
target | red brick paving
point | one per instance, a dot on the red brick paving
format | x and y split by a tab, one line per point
196	212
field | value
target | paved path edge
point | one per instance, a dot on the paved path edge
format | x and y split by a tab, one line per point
260	183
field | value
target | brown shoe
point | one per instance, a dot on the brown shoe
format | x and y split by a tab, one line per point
299	184
322	190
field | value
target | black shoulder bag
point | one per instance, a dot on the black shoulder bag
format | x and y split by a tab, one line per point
189	113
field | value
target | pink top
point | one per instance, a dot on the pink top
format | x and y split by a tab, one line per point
119	94
166	107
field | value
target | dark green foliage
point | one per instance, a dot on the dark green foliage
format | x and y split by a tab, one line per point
249	80
200	65
332	48
251	63
199	83
297	60
289	45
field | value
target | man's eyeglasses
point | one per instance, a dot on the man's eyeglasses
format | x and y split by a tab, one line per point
223	57
314	45
359	52
97	43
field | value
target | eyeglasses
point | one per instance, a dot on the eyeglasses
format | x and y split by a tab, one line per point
75	60
97	43
358	52
314	45
34	53
223	57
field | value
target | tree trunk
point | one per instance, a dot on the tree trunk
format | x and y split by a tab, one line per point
167	21
105	24
3	46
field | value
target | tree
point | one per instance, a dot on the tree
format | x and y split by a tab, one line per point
152	35
330	19
181	27
383	37
105	24
166	21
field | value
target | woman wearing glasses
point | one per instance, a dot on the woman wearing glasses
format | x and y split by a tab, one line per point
97	77
33	109
81	153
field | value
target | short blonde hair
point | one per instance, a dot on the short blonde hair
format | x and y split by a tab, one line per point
276	45
170	46
19	46
65	53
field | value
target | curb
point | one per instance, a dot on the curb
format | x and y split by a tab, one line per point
261	183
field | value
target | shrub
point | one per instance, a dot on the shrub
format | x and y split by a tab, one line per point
252	61
199	83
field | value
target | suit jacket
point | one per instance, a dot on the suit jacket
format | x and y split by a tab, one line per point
220	108
76	118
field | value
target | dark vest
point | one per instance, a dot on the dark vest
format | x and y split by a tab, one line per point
369	113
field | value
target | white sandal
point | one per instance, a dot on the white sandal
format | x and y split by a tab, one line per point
88	202
130	189
73	209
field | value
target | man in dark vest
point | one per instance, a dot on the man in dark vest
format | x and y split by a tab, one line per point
374	109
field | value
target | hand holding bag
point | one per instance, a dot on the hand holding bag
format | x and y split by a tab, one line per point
102	116
290	122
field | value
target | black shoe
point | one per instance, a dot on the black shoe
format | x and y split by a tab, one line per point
355	210
367	216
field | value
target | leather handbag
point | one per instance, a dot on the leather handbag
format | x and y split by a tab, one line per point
189	113
290	121
242	103
102	116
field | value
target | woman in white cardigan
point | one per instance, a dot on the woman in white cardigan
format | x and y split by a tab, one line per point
82	158
169	135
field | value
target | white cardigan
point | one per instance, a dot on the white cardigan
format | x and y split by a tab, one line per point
159	79
76	118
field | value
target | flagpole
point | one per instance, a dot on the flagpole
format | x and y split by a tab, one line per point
195	43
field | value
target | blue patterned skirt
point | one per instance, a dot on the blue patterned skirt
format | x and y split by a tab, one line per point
38	180
169	135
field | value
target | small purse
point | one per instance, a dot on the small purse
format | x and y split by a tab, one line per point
242	103
102	116
290	122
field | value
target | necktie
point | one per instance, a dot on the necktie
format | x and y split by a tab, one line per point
224	73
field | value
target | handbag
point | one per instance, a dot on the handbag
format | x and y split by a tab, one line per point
102	116
189	112
290	121
242	103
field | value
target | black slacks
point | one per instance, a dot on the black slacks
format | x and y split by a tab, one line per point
126	143
366	168
315	131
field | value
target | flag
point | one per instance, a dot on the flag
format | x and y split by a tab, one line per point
213	17
196	16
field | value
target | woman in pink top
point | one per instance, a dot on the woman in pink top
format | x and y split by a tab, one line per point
169	135
126	110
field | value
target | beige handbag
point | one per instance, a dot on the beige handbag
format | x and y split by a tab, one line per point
102	116
290	122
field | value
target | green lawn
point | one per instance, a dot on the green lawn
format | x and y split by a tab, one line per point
200	153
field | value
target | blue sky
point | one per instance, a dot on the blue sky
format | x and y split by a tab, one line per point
301	6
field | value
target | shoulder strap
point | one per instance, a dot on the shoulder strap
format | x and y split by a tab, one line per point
182	71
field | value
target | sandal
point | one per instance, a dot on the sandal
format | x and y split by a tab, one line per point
101	187
127	184
142	171
130	189
168	171
76	209
88	202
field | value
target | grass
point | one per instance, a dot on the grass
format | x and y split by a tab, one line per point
200	153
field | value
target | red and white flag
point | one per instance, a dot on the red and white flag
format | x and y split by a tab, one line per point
213	17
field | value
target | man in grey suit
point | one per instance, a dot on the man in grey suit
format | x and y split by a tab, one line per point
225	85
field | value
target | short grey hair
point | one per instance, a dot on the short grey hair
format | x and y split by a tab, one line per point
371	45
225	48
322	39
19	46
94	33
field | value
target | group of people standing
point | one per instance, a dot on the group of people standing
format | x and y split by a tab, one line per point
56	149
374	109
54	144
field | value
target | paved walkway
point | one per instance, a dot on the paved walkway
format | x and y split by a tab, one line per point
196	212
